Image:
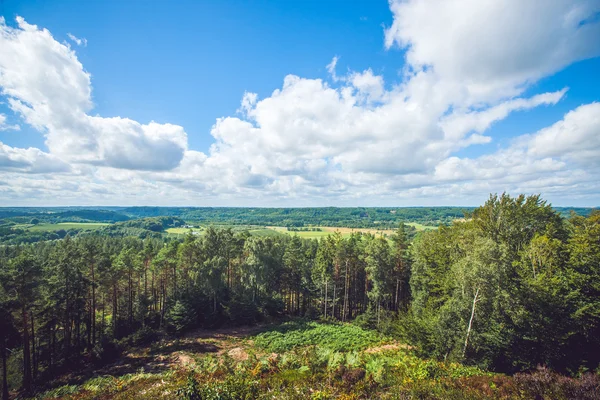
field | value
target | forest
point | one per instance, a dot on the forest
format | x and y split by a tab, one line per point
512	286
350	217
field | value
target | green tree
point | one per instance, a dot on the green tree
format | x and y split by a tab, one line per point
21	284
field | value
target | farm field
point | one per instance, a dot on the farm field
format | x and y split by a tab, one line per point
324	231
65	226
329	230
421	227
183	231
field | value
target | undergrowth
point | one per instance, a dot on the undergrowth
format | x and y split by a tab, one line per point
333	336
309	360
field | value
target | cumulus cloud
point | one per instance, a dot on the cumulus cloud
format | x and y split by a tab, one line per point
48	87
576	137
562	155
348	139
30	160
494	48
459	123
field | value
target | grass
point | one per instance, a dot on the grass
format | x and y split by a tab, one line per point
329	230
421	227
307	360
294	360
65	226
184	231
334	336
265	232
324	231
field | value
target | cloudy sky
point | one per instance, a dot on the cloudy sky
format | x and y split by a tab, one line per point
298	103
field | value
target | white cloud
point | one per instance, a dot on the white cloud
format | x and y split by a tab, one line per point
458	124
575	138
331	68
47	86
562	155
368	85
30	160
77	41
4	126
351	139
494	48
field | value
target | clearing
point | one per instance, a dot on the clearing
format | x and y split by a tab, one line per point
328	230
293	360
65	226
184	231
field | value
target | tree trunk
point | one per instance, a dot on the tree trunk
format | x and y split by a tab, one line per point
146	278
475	300
33	348
130	300
396	306
4	373
333	301
93	316
103	325
345	307
26	351
115	310
153	291
174	281
326	284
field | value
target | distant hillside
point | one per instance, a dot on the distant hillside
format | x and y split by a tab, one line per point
351	217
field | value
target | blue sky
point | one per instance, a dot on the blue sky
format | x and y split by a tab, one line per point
200	56
427	104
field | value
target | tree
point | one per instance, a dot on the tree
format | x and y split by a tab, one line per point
401	260
379	269
22	281
323	268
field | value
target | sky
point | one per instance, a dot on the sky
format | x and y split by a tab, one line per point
299	103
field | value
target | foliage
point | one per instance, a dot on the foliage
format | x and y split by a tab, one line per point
332	336
512	286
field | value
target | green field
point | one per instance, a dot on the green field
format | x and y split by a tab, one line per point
65	226
329	230
184	231
421	227
265	232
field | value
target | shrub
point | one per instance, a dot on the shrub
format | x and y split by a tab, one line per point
337	337
546	384
105	351
181	317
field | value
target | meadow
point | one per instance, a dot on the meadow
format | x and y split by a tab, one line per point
421	227
329	230
63	226
184	231
319	232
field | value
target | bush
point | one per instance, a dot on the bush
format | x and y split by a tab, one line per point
181	317
234	387
242	311
545	384
146	335
337	337
105	351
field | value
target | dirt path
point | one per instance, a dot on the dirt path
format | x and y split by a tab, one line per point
169	353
